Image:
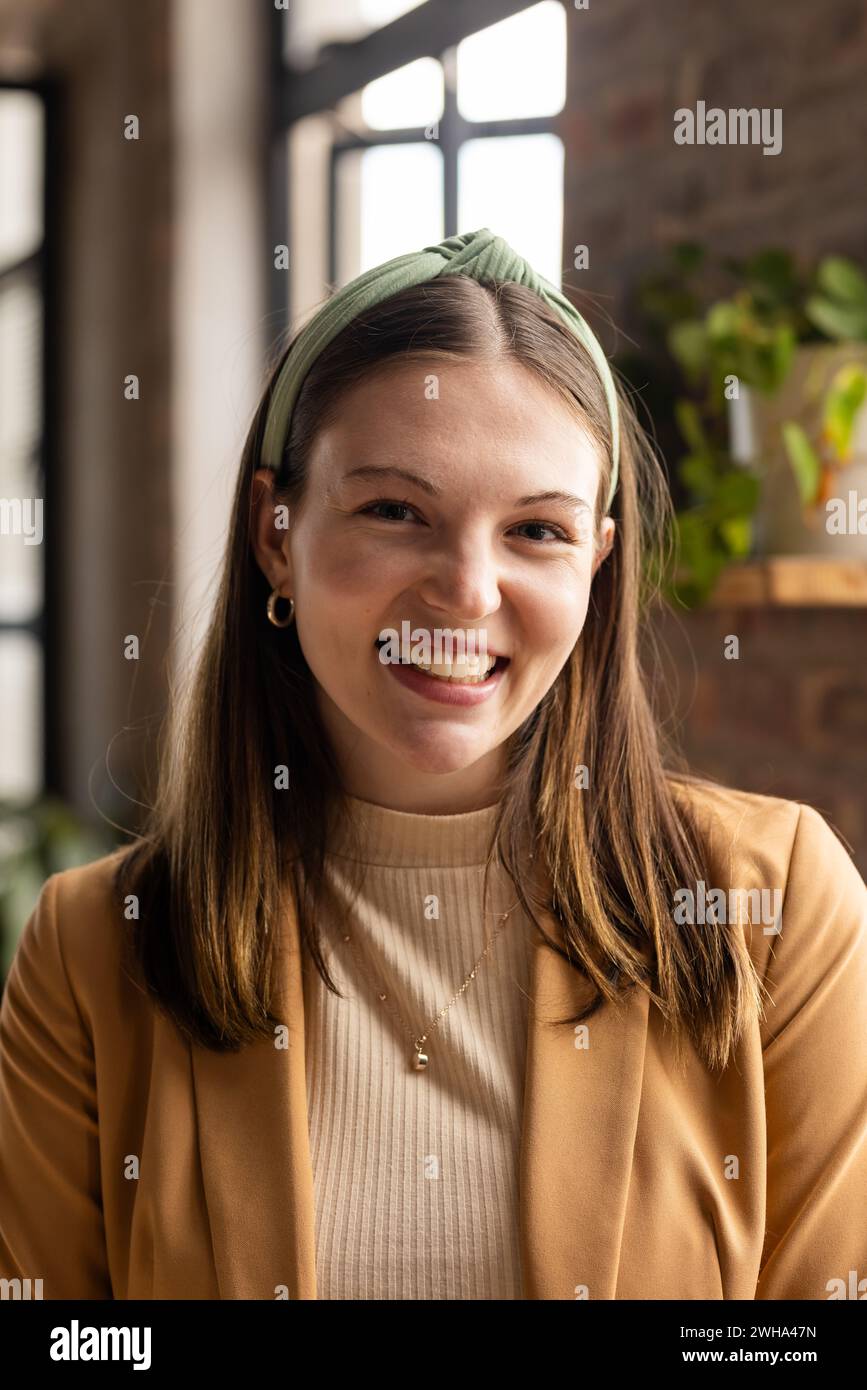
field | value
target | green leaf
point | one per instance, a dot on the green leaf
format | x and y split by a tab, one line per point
843	402
737	493
695	545
697	473
759	365
687	342
724	320
766	363
773	272
842	280
784	348
737	532
846	322
690	424
803	459
701	557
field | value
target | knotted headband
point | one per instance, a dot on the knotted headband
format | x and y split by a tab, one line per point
481	255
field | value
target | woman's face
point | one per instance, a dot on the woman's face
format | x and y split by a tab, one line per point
423	507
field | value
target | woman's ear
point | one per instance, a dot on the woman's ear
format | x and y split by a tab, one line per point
606	541
269	533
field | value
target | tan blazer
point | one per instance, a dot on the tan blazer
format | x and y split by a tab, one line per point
636	1181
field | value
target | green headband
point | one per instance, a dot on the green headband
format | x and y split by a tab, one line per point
481	255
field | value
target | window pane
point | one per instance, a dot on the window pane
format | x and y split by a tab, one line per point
514	185
515	68
389	201
410	96
308	146
20	364
21	546
21	725
20	424
310	25
21	138
380	12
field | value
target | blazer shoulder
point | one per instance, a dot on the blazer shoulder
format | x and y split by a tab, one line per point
789	849
749	834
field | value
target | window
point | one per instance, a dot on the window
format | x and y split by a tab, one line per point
398	124
22	548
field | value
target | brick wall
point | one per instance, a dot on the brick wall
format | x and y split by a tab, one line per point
789	718
630	190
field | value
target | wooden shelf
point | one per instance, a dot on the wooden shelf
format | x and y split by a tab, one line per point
807	581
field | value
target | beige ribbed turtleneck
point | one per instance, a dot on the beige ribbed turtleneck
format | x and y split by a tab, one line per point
416	1172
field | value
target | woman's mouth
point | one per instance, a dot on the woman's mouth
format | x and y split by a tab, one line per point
467	682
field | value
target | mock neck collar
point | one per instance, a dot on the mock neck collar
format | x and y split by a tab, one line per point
379	835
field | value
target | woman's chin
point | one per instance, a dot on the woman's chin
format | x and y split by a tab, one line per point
439	755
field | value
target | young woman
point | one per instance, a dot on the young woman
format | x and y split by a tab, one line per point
428	980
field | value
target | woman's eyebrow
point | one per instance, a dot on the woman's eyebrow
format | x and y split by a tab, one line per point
377	470
374	470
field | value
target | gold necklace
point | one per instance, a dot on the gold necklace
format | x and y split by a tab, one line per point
420	1058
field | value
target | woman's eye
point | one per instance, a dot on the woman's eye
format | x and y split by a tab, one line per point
557	534
372	507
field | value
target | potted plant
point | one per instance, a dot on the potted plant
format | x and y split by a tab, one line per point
772	371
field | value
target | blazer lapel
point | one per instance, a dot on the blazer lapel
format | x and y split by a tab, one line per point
255	1152
579	1125
580	1116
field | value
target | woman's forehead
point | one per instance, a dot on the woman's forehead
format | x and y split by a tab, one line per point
488	414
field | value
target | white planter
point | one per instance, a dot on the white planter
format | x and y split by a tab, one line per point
782	525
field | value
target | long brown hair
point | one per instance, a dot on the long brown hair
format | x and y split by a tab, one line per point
222	846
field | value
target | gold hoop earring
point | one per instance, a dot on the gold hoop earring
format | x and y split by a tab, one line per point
272	610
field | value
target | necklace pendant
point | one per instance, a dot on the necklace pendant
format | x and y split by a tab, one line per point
420	1061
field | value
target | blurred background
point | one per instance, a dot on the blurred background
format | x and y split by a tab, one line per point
181	181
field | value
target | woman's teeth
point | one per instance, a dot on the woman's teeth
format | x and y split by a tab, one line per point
467	672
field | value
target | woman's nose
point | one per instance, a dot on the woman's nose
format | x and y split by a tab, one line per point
465	584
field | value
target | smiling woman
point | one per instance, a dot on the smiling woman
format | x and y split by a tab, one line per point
450	453
481	541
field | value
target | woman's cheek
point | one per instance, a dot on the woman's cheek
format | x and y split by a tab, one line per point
348	571
557	614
